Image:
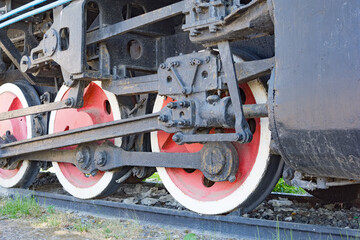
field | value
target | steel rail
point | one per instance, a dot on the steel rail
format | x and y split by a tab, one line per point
232	225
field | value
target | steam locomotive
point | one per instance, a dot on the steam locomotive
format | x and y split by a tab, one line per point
220	97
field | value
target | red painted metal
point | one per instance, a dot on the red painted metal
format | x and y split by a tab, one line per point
192	184
94	111
17	126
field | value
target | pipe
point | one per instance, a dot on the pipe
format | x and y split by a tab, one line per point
33	12
20	9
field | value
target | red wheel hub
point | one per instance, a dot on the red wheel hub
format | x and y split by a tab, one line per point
96	110
194	183
17	126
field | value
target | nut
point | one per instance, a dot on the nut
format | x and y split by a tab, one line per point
100	158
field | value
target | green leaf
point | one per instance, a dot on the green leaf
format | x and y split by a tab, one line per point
190	236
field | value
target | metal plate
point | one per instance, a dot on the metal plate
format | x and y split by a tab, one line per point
316	86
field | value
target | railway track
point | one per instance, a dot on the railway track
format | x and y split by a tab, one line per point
232	225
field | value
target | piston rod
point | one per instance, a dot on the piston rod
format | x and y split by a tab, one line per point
68	103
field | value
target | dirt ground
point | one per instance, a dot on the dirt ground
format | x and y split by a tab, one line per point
13	229
25	220
19	229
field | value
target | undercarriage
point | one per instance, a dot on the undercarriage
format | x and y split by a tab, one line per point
104	91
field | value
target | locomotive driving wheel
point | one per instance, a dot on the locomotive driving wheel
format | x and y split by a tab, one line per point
256	176
99	106
12	97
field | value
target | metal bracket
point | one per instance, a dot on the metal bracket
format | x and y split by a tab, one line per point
212	21
10	50
63	41
204	15
189	74
241	125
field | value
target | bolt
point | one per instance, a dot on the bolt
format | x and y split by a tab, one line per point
195	62
69	102
163	66
100	158
176	138
172	105
171	124
45	36
183	123
232	178
163	118
80	157
8	133
184	104
207	59
44	98
174	64
240	137
94	172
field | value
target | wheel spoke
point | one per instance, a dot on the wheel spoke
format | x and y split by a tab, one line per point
165	140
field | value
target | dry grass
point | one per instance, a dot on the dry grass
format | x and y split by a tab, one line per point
88	226
60	223
26	212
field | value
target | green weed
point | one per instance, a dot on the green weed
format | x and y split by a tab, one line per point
51	209
81	227
282	187
20	207
191	236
